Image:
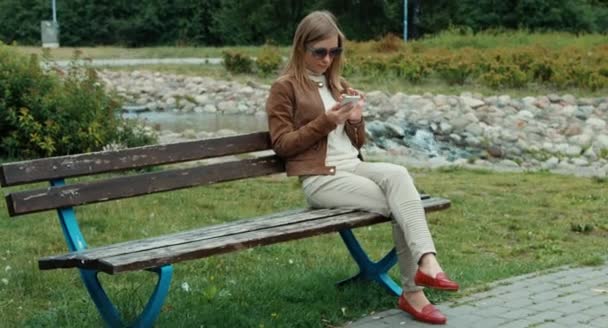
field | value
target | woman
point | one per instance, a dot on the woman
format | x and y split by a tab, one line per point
320	139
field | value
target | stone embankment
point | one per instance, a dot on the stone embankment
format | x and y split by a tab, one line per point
560	133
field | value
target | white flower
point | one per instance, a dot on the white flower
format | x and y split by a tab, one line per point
5	281
7	268
185	287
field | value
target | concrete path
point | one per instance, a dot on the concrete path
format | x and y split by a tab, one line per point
566	297
151	61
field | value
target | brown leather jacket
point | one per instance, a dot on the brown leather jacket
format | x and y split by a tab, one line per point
299	127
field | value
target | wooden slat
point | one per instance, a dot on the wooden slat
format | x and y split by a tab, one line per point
251	224
108	161
224	238
122	187
219	230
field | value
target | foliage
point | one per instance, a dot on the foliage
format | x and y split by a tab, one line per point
389	43
269	60
236	62
50	111
254	22
512	67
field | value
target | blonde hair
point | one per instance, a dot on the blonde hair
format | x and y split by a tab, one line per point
316	26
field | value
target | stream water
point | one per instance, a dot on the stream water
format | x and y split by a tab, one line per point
208	122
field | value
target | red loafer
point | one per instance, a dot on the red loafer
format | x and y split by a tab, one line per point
441	281
428	314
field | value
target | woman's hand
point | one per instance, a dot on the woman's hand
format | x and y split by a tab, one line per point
351	111
357	113
339	113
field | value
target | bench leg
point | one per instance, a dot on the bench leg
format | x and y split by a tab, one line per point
157	299
108	311
368	269
75	241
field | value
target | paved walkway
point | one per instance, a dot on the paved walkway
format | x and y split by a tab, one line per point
567	297
144	61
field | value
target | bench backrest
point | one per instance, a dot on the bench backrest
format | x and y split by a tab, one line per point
55	169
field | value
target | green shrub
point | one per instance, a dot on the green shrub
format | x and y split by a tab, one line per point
456	67
389	43
409	66
48	111
236	62
269	60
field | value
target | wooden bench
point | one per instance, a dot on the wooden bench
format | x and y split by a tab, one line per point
157	254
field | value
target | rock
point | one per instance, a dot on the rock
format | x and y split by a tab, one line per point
189	134
601	141
596	124
583	140
464	126
569	99
227	106
590	154
508	163
456	138
573	150
472	102
504	100
445	127
225	133
554	98
210	108
394	130
573	130
526	115
201	99
495	151
580	161
551	163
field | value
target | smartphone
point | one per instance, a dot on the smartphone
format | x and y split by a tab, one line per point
348	99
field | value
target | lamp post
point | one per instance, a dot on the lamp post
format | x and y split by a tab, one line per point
404	20
49	30
54	13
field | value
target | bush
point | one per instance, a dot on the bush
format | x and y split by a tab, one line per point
408	66
269	60
236	62
389	43
456	67
48	111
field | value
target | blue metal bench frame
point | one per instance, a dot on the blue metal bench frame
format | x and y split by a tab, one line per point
76	242
375	271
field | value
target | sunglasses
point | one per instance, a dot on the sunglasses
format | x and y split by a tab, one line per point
320	53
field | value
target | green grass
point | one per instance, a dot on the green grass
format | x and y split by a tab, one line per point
509	39
147	52
500	225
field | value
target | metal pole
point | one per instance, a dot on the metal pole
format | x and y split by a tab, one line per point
404	20
54	13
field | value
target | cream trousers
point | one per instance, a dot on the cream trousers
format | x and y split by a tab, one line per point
383	188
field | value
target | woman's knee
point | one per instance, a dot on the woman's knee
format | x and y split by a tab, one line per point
397	173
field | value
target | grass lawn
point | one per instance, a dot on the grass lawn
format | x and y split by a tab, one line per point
147	52
500	225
